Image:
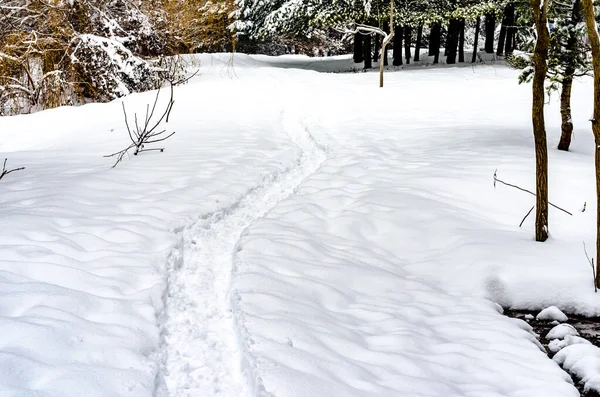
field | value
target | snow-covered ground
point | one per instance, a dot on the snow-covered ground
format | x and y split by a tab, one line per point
303	234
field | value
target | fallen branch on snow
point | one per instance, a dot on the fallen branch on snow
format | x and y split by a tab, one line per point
526	191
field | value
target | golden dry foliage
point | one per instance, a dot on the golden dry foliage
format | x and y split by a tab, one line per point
33	60
200	25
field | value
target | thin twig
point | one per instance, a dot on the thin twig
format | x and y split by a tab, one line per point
527	191
591	262
521	224
6	172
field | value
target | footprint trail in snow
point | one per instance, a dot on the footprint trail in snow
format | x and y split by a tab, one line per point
201	353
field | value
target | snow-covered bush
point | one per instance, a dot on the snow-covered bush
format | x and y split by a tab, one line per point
109	69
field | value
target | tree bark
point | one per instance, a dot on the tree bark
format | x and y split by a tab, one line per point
418	43
407	43
540	56
502	38
397	53
358	48
367	51
567	84
588	10
461	41
510	29
565	111
452	42
477	27
490	29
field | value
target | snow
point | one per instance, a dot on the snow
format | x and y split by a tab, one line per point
557	344
552	313
560	331
302	234
583	361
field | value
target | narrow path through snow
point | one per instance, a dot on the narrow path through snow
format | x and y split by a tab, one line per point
201	354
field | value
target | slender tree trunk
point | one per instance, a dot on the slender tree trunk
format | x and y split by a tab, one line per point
490	29
378	41
452	42
565	111
358	47
461	41
367	51
567	83
477	27
407	43
510	29
418	43
502	38
434	42
384	44
397	53
540	56
588	9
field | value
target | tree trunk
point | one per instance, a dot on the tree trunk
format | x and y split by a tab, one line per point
510	29
418	43
477	27
434	42
565	111
407	43
378	41
540	56
358	47
567	83
490	29
588	8
384	44
367	51
452	42
502	38
397	53
461	41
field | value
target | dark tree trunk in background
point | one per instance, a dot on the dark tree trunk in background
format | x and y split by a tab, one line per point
510	29
434	39
434	42
397	54
502	38
407	43
418	43
461	41
452	41
477	27
567	83
378	41
490	28
358	48
367	51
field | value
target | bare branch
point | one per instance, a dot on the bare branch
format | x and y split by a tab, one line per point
6	172
526	191
591	262
147	133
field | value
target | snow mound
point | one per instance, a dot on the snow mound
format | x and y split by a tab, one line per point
562	330
583	361
552	313
557	344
